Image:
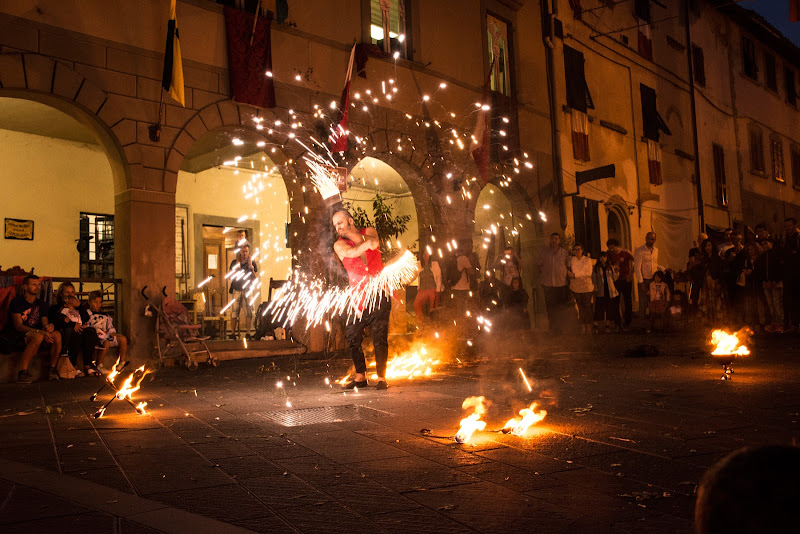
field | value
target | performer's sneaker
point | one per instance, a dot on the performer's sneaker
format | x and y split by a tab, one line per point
382	385
355	384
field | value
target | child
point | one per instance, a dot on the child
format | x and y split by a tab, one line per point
107	335
606	296
659	297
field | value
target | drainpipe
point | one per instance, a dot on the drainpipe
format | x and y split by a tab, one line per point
549	15
694	118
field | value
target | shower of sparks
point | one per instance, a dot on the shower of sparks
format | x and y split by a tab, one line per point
525	379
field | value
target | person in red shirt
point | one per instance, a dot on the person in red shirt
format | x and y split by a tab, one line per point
360	254
623	260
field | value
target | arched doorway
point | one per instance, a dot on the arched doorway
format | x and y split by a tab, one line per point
230	189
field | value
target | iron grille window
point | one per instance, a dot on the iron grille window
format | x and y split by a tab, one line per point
749	58
757	164
777	158
719	176
770	72
791	90
96	245
795	161
391	22
698	66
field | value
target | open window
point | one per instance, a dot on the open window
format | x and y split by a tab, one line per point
388	26
499	41
641	10
579	100
96	245
653	124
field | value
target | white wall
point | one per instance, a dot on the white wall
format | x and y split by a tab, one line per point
218	192
50	181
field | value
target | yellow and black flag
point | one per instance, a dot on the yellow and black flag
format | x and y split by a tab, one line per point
172	79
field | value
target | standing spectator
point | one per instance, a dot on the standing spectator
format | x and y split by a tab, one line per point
623	260
579	272
515	304
711	302
509	264
244	274
430	280
732	263
727	242
694	273
791	279
489	292
750	280
659	300
769	263
32	328
464	275
606	296
552	263
645	265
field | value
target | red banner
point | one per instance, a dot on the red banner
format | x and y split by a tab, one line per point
250	58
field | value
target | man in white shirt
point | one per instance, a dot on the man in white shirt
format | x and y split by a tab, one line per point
645	263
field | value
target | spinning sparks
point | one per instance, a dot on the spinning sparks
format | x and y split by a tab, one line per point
312	302
324	179
472	422
519	426
726	344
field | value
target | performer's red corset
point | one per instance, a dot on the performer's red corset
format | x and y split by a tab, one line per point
355	267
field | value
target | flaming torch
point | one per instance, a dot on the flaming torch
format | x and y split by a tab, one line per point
519	426
125	392
472	422
728	346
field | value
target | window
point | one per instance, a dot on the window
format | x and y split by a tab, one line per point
641	10
698	66
652	122
757	164
749	58
96	245
770	74
579	99
791	90
719	176
586	219
389	16
795	155
777	158
499	55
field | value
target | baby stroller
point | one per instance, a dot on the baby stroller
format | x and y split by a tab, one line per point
176	336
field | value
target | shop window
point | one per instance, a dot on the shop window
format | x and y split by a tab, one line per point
96	245
719	176
791	89
499	54
770	72
757	164
698	66
776	145
389	18
749	58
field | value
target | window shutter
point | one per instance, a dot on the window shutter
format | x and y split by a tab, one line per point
578	96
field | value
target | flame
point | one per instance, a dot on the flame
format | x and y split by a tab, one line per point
140	408
472	422
114	371
727	344
128	388
411	364
518	426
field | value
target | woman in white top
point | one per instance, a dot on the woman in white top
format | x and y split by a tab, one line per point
579	272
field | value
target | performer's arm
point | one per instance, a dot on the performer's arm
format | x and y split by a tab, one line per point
343	250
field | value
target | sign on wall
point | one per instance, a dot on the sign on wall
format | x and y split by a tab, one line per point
19	229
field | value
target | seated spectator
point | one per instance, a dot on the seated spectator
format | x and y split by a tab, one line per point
515	303
659	298
751	490
606	296
69	319
32	329
107	335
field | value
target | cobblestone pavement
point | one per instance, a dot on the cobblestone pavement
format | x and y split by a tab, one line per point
625	442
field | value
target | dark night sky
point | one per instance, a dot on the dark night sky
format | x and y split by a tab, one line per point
777	13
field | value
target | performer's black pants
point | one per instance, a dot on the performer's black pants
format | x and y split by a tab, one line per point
378	321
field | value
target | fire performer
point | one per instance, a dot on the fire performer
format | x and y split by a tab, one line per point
359	251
